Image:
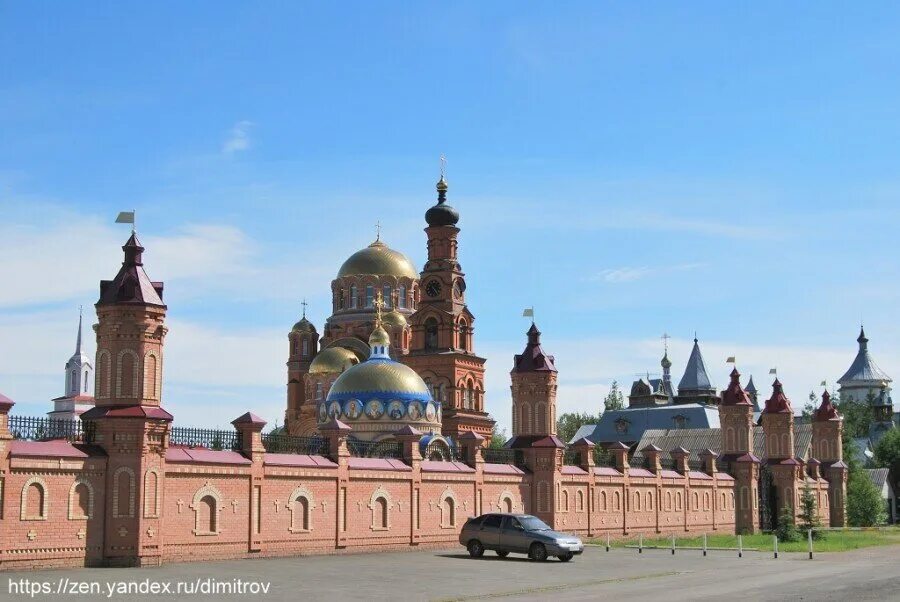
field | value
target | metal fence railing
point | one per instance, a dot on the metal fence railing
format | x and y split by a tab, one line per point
504	456
375	449
572	457
440	450
39	428
281	443
209	438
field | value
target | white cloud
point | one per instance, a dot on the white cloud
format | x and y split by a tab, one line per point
238	139
632	273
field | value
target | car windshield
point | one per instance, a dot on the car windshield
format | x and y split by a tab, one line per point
533	523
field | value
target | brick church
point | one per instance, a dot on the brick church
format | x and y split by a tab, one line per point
384	446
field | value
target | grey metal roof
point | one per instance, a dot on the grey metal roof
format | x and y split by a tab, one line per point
584	430
638	420
750	388
863	367
696	440
878	476
695	377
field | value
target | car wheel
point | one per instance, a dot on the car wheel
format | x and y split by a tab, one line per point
476	550
565	557
537	552
502	553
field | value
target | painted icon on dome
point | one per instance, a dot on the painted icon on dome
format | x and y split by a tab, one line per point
395	410
374	409
415	410
323	412
353	409
430	412
334	410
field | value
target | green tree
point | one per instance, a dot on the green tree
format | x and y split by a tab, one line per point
865	508
568	424
857	415
786	529
887	450
498	437
809	517
810	406
614	399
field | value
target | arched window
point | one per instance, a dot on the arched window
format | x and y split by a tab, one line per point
617	501
401	298
206	506
541	417
150	375
151	493
123	493
579	501
507	504
381	513
342	301
103	374
603	500
706	501
354	297
85	381
724	502
526	419
565	501
126	378
73	381
649	504
300	514
370	295
380	505
637	501
543	496
470	395
463	336
448	512
81	500
305	347
431	333
35	504
387	295
729	438
319	391
678	504
668	500
785	446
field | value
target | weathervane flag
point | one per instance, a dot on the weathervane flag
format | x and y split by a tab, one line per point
528	313
773	371
730	360
126	217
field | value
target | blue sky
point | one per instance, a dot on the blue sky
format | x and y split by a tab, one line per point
627	168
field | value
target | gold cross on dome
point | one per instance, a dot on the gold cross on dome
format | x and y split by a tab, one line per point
379	303
304	304
443	165
665	337
378	230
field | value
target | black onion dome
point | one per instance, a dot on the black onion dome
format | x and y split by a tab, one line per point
442	214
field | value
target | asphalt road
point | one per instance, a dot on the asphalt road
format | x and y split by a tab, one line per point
869	574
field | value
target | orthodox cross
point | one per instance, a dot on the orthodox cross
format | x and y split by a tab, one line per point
443	165
665	337
379	303
304	304
377	230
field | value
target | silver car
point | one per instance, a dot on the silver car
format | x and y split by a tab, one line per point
519	533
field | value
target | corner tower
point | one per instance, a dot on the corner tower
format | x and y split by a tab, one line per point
303	346
736	418
128	422
441	349
533	393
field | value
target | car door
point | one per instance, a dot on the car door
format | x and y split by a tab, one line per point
489	533
514	537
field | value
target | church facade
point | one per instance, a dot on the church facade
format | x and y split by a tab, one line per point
372	468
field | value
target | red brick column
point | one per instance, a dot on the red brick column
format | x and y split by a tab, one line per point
410	439
620	451
336	432
471	445
5	494
249	427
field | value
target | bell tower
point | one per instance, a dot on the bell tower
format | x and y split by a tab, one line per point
442	344
303	346
533	393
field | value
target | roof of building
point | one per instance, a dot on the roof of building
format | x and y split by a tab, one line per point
131	284
778	403
878	476
378	259
629	424
735	395
333	360
533	358
695	376
698	440
442	214
863	368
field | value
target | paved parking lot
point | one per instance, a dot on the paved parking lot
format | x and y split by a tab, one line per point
870	574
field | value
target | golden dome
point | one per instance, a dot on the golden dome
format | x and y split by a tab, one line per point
378	260
394	319
304	325
333	360
379	376
379	337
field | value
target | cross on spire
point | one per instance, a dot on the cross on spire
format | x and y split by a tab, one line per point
443	165
304	304
378	230
665	338
379	303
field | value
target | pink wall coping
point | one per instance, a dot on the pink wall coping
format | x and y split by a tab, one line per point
199	455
